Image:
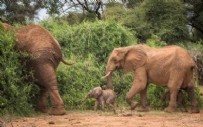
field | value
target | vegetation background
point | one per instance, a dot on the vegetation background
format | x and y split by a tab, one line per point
88	37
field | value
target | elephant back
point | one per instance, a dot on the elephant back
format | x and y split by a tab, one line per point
38	42
31	38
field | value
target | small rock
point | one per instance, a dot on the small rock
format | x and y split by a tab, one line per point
140	115
51	122
127	114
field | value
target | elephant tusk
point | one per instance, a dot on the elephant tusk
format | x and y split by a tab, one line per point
106	75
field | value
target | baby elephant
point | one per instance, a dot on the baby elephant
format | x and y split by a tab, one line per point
103	97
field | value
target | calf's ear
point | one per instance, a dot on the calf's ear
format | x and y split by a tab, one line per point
98	92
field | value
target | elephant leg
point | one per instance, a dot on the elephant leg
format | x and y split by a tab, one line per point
191	94
181	101
102	104
96	105
56	101
139	84
172	103
111	104
42	103
46	76
144	102
174	85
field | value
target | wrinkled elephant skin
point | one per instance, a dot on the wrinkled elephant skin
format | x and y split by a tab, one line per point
170	66
44	57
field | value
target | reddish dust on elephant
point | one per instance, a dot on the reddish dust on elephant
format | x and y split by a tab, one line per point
170	66
44	57
109	119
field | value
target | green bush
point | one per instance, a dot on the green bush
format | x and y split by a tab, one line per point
14	91
166	19
76	80
97	38
89	44
155	94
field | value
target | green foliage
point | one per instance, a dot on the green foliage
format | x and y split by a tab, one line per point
155	41
76	80
97	38
196	50
154	95
133	3
116	12
19	11
196	19
14	91
166	19
90	44
72	18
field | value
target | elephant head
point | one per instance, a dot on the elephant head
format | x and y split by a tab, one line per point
126	58
95	93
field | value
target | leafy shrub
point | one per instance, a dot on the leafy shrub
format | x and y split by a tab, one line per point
87	43
166	19
14	91
155	41
90	44
76	80
155	94
97	38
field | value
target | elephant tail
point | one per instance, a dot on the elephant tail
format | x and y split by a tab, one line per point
67	63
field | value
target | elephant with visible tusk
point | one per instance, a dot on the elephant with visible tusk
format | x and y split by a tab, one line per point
44	57
170	66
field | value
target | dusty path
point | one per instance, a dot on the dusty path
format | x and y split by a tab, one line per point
108	119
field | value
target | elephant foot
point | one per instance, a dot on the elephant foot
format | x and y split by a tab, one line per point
169	109
133	105
42	109
114	111
182	109
128	113
57	111
194	110
143	110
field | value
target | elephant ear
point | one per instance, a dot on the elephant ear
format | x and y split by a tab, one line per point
120	54
135	58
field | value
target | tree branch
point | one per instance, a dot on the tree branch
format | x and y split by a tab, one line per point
199	28
99	5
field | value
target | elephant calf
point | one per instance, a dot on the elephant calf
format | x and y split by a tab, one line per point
103	96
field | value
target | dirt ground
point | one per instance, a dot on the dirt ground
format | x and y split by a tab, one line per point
108	119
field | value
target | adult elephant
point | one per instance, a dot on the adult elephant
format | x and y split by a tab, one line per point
44	57
170	66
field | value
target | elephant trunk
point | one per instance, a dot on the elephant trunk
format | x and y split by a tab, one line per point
109	79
